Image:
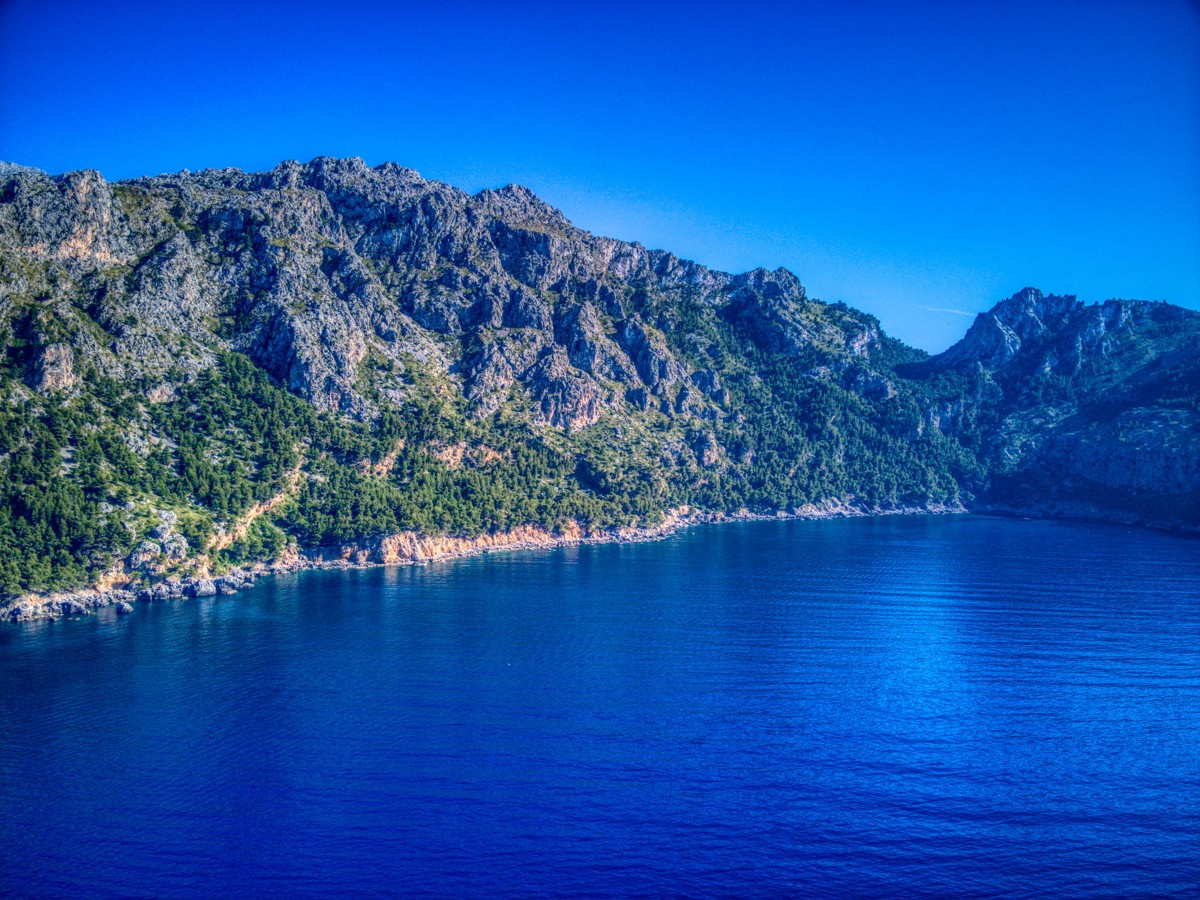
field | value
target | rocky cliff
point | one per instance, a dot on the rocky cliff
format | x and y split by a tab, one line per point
315	270
377	353
1089	411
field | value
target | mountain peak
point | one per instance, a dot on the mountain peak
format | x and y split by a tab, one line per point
998	335
1030	311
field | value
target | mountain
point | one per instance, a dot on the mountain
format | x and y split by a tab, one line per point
1086	411
206	370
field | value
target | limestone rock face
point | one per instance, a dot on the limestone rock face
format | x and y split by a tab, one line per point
144	554
1021	321
175	546
567	398
708	451
71	219
201	587
55	369
773	308
651	356
590	350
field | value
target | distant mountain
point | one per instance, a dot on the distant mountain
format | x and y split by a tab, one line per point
1087	411
207	369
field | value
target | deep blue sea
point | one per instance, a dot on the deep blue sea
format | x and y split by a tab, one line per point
943	706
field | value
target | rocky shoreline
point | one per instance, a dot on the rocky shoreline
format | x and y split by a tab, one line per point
408	548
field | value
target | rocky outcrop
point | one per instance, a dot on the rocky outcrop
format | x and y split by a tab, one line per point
55	369
1022	321
144	554
61	605
64	604
651	356
773	308
201	587
566	397
708	451
72	219
1034	334
590	350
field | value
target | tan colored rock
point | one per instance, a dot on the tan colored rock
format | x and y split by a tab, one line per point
55	369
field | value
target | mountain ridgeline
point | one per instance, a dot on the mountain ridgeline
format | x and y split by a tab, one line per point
207	370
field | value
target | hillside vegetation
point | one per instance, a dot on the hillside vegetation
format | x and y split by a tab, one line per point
205	370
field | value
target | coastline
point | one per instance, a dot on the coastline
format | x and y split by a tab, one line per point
1072	511
116	589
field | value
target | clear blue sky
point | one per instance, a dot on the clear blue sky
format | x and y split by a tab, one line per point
916	160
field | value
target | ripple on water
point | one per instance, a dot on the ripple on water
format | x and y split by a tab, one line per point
931	705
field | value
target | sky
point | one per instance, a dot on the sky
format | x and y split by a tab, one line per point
917	160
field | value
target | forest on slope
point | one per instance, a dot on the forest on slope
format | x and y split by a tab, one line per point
207	369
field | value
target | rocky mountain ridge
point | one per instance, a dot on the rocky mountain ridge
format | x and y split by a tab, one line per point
307	267
581	378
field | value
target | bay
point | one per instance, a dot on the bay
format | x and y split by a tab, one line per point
903	706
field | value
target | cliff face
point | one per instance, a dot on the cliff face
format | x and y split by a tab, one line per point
579	373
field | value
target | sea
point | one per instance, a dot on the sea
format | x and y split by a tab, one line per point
905	706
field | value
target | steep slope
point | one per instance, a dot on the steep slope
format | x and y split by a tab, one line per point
351	352
508	367
1078	410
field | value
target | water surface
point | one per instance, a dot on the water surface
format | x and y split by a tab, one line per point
924	706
